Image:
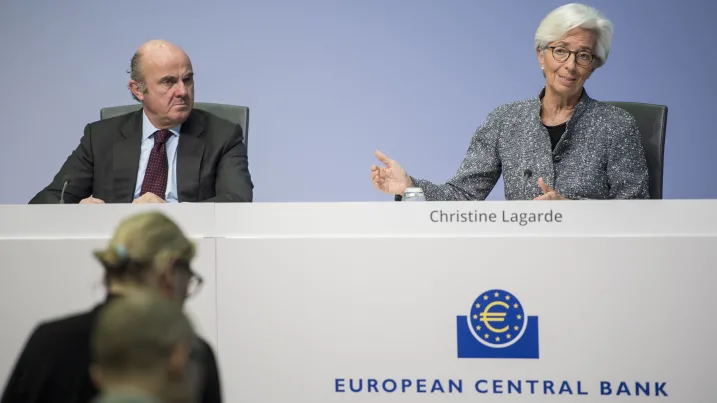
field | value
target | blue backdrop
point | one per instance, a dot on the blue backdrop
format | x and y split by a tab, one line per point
330	81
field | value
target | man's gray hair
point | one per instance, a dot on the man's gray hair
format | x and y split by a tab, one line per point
135	73
564	18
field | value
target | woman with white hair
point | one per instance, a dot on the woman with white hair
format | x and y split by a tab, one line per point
561	145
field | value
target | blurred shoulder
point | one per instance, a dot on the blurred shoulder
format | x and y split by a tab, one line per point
67	327
205	349
63	335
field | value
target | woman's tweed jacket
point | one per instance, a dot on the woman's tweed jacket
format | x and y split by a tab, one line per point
600	156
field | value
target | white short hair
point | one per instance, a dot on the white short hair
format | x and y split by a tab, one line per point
564	18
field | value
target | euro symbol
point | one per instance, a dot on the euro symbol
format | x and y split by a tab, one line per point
486	316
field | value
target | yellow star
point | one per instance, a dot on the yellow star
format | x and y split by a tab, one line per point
477	327
515	306
516	328
497	339
496	294
477	305
507	297
486	336
519	317
475	316
508	335
485	297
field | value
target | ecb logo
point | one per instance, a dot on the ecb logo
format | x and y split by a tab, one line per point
497	327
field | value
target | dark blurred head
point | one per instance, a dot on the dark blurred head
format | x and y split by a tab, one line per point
142	342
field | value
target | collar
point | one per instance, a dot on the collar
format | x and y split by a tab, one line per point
125	394
583	96
148	128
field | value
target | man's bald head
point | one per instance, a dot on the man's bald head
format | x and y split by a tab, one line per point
158	44
162	79
149	49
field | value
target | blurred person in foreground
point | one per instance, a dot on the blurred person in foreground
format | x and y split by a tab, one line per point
141	346
165	152
560	145
147	251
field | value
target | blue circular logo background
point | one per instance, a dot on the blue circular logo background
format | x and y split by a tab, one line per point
497	319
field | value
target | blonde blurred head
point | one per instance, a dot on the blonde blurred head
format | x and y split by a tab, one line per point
148	250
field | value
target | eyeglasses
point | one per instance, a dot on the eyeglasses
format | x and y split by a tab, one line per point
195	284
561	54
194	280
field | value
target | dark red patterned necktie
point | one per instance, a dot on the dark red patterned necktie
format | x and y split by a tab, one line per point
155	177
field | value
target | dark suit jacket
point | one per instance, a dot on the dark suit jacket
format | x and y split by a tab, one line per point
54	365
212	163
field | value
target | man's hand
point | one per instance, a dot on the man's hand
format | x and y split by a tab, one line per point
92	200
148	198
548	192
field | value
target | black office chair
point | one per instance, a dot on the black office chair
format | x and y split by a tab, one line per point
232	113
652	122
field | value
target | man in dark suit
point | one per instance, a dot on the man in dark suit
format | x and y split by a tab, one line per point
166	152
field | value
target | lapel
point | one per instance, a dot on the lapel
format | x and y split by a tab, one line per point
579	109
539	150
190	151
125	157
539	139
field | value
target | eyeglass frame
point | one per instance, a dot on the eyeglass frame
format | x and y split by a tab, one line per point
183	265
192	276
570	52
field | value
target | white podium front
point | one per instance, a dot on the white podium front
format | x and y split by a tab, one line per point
407	302
377	302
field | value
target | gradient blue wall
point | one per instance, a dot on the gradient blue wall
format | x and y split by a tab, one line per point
329	81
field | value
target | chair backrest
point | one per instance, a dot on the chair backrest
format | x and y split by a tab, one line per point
232	113
652	122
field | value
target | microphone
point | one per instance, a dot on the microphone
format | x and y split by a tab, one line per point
65	180
526	175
